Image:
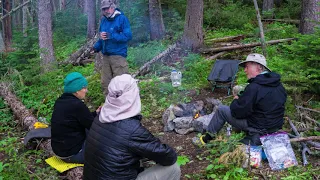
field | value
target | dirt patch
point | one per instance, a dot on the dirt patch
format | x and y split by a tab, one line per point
182	144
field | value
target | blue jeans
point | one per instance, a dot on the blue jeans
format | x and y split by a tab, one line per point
77	158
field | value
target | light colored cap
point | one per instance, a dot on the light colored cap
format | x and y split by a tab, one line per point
257	58
106	3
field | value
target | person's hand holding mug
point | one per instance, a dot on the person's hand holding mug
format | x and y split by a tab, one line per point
104	35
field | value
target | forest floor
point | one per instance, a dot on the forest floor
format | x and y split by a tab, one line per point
184	147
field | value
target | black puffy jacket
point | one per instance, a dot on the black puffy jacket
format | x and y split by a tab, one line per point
262	102
113	150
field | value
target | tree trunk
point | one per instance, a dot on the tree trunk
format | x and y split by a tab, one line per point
45	35
309	16
157	30
17	15
193	33
54	8
62	5
117	2
81	4
90	10
267	8
6	25
98	62
262	39
24	20
278	2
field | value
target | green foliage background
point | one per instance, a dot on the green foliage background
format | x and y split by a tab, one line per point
297	62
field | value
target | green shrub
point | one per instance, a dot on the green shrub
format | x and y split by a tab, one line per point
229	15
304	54
143	53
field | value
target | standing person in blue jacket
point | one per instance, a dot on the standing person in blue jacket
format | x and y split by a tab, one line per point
118	141
115	33
258	110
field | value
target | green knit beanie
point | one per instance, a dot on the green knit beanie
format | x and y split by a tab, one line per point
74	82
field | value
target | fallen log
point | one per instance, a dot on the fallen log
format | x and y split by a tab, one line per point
292	21
146	67
299	139
216	55
27	120
229	48
225	39
82	53
14	10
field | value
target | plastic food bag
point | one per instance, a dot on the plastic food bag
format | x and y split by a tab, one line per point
255	156
278	151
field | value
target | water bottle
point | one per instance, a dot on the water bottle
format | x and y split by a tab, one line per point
228	131
176	78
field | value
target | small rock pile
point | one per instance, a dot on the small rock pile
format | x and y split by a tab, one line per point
181	117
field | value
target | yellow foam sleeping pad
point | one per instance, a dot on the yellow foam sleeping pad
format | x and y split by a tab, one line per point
60	165
38	125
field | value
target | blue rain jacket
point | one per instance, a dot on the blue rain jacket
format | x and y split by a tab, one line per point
120	33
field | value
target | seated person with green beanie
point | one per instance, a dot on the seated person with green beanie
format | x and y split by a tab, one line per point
71	119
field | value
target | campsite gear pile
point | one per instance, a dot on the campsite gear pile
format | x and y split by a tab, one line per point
276	148
43	131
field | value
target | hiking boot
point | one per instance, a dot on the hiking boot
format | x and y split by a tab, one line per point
198	141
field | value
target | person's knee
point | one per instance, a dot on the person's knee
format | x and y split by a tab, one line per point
175	171
223	109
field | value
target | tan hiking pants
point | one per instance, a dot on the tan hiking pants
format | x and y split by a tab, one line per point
112	66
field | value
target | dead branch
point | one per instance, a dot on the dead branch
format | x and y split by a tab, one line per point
216	55
262	39
299	139
27	119
309	129
292	21
308	109
14	10
229	48
146	67
225	39
305	148
310	119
